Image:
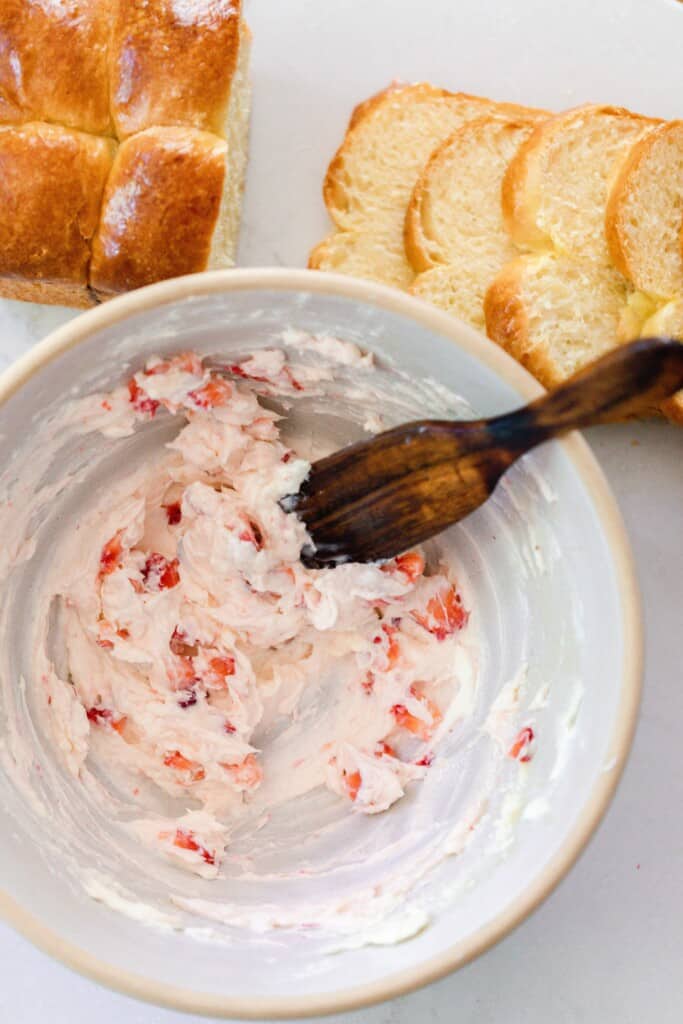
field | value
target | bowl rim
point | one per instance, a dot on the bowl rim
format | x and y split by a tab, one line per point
392	985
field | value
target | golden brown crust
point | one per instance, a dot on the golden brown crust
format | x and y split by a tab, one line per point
318	256
159	210
513	188
172	63
673	408
506	320
53	63
507	324
51	185
366	107
413	235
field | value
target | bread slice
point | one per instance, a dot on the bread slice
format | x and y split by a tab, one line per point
668	322
51	185
644	221
371	177
555	314
556	187
454	231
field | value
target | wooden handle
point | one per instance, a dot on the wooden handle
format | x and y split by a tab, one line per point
628	381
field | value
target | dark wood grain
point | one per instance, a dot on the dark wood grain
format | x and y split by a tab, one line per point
377	498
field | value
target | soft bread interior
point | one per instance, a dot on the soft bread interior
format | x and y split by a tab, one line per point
236	131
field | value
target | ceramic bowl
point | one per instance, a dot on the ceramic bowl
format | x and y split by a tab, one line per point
550	576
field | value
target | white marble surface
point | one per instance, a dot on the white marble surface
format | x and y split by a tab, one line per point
606	947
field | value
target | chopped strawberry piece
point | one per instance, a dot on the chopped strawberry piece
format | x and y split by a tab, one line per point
229	727
215	677
393	652
222	666
170	577
140	400
182	674
425	761
292	380
106	405
123	633
411	723
179	644
246	775
102	641
411	564
444	614
188	362
110	559
216	392
404	719
173	512
353	783
368	683
188	700
159	573
99	714
251	534
182	764
104	716
239	371
383	749
286	457
388	636
520	749
185	840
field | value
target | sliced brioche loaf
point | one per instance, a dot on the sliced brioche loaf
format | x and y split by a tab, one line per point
555	189
555	314
668	322
454	231
644	220
371	177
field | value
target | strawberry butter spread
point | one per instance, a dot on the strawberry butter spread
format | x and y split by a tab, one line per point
196	669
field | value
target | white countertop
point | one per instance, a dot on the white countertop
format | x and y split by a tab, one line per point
606	946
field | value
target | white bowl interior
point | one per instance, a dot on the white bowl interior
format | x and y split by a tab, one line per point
539	569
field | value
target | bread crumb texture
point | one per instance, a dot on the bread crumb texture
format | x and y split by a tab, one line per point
560	235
